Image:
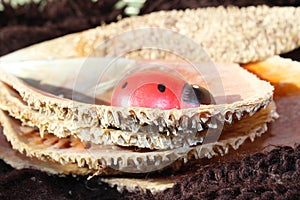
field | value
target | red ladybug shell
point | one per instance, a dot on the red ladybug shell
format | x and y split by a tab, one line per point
152	89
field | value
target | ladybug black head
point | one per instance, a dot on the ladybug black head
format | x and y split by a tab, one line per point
196	95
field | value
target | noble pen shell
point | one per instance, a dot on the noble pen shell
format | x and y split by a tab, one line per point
119	159
154	140
243	35
130	126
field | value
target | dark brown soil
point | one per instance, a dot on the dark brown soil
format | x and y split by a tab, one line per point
273	175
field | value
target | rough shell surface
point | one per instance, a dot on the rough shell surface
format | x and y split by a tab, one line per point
141	127
111	159
230	34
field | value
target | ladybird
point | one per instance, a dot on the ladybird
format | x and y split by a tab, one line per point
153	89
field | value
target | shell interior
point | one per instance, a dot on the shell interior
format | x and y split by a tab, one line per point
132	126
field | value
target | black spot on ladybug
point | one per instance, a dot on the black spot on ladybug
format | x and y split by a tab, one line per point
124	85
161	87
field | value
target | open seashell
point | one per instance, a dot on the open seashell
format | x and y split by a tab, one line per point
125	126
71	132
38	110
111	159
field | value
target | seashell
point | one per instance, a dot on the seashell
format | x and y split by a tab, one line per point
243	35
38	121
90	158
58	144
31	101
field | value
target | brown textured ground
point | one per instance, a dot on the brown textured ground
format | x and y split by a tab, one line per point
266	176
